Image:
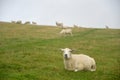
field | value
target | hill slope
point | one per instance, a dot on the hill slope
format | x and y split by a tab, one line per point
30	52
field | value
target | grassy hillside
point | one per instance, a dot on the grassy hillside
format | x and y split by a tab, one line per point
29	52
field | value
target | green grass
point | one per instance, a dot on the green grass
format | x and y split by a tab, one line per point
29	52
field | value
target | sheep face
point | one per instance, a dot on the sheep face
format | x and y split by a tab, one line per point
66	53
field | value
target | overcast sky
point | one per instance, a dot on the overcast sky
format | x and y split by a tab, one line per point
88	13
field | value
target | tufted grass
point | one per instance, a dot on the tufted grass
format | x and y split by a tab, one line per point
31	52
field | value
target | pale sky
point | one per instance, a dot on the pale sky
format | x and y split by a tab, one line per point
86	13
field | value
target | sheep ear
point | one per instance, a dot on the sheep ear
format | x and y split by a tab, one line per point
62	49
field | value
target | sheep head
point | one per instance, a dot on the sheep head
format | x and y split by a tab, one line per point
66	53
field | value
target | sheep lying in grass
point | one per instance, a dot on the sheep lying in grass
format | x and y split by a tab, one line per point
66	31
77	62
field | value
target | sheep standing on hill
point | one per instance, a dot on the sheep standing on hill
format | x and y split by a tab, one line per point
66	31
106	27
34	22
19	22
75	26
27	22
77	62
59	24
13	21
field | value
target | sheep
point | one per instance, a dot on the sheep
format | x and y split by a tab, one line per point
13	22
19	22
77	62
27	22
106	27
34	22
66	31
59	24
76	26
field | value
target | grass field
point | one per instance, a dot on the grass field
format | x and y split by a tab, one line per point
31	52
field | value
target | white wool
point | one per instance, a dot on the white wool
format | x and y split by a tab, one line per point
78	62
59	24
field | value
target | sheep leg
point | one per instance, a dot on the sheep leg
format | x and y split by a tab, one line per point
93	68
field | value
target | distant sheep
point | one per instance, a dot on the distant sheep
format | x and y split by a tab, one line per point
106	27
27	22
76	26
77	62
59	24
66	31
13	22
34	22
19	22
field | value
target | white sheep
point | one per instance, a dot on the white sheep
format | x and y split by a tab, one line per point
13	21
77	62
27	22
106	27
75	26
19	22
59	24
66	31
34	22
